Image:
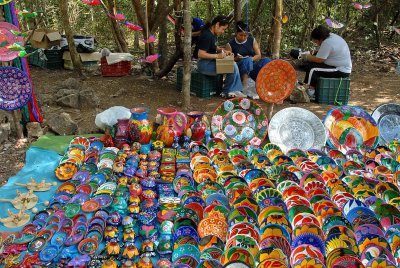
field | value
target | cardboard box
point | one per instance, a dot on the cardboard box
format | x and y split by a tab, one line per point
88	60
225	65
45	38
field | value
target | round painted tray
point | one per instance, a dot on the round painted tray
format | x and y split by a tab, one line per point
240	121
15	88
387	117
8	38
350	127
276	81
296	128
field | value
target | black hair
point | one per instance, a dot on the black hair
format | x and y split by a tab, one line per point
241	27
320	33
222	20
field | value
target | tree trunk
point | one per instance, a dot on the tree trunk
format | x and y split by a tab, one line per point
396	16
237	10
311	18
136	43
76	61
187	54
376	24
257	11
178	44
150	22
163	44
277	29
210	13
118	34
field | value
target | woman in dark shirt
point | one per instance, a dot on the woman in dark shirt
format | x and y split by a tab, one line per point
247	54
207	52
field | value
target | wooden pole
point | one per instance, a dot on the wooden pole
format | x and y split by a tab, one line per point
277	29
187	54
16	115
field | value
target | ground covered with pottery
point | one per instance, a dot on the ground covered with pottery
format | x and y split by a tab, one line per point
373	82
323	194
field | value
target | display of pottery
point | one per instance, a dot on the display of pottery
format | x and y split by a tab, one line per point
225	201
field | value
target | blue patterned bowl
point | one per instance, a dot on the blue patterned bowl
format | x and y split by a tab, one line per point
186	231
186	250
309	239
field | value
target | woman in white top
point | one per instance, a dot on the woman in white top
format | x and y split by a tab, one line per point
333	59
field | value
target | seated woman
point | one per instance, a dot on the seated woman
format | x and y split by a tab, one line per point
333	59
247	55
207	52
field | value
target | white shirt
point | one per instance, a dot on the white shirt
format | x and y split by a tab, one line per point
336	53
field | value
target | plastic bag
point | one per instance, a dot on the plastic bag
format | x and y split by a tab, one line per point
250	90
109	117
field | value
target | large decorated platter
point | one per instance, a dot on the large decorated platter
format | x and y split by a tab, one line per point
240	121
351	127
15	88
297	128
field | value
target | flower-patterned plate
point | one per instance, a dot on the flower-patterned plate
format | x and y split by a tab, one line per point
15	87
240	121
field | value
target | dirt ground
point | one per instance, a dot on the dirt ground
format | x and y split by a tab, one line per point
372	84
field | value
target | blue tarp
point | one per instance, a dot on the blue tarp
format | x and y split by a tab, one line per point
39	164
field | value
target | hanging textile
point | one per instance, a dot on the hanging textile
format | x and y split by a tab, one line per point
30	112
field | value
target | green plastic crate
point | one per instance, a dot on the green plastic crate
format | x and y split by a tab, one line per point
203	86
54	58
333	91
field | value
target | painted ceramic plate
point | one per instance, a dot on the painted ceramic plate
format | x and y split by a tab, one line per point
240	121
276	81
213	226
8	38
387	117
349	127
15	88
296	128
237	254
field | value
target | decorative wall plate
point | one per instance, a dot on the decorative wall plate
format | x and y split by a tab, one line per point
296	128
15	88
276	81
350	127
387	117
240	121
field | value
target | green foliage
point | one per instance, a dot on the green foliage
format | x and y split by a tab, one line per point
359	24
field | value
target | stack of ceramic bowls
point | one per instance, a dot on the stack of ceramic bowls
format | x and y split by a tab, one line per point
213	227
272	220
186	238
307	231
107	157
270	207
369	235
72	159
165	216
258	158
240	247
